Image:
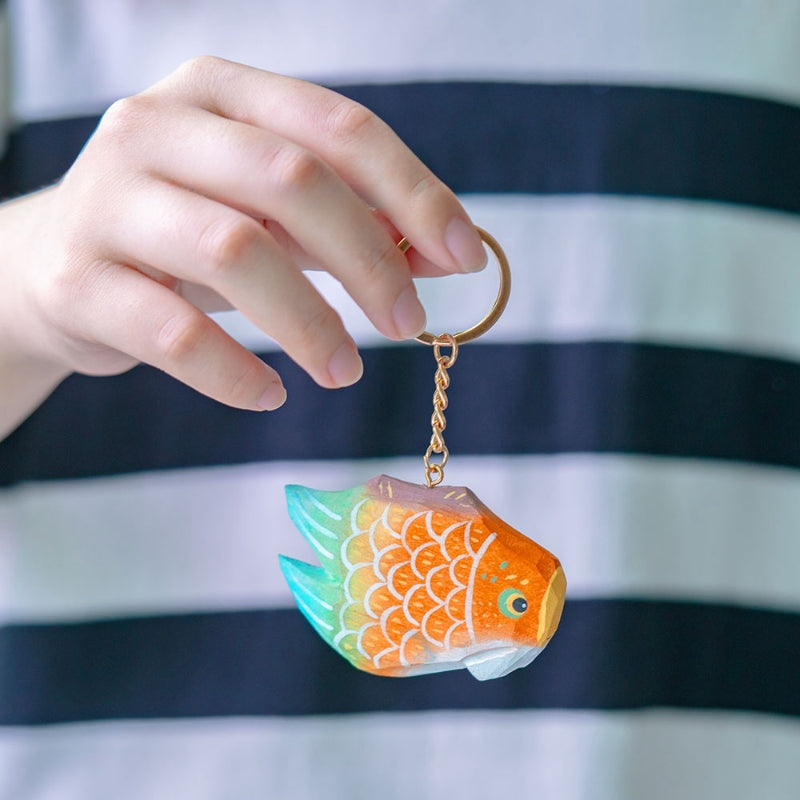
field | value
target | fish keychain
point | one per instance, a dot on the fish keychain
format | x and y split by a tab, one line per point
417	579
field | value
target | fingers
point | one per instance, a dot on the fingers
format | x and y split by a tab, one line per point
136	315
215	185
245	167
419	266
196	239
353	141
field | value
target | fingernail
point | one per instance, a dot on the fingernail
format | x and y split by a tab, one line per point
273	398
408	313
465	245
346	367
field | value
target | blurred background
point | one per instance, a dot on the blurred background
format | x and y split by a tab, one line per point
636	411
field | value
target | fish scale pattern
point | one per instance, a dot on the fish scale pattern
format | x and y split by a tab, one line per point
406	584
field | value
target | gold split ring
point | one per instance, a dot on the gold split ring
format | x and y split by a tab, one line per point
500	301
434	472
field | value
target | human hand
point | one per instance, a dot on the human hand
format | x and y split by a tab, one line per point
214	189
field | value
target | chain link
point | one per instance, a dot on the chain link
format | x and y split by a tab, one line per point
434	471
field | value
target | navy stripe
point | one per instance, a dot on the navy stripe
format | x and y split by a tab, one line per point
608	654
39	153
554	138
504	399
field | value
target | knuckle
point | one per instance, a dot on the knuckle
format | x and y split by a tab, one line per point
203	76
245	385
75	279
318	327
181	337
126	115
375	265
200	70
425	183
347	120
225	245
295	169
72	284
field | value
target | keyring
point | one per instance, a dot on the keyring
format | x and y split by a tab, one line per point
414	580
500	301
434	471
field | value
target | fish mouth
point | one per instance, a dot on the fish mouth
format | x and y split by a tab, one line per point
499	661
551	607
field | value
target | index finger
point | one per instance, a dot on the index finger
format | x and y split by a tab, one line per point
355	142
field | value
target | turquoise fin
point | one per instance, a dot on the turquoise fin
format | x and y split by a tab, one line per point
316	595
314	514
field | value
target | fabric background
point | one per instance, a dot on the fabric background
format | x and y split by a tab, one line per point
635	411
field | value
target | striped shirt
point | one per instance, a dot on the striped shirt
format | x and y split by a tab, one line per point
636	410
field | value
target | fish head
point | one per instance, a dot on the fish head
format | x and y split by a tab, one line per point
517	596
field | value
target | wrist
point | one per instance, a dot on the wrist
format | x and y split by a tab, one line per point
28	372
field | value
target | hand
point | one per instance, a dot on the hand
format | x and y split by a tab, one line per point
215	188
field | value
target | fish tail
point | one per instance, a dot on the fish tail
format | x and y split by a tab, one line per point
315	516
315	594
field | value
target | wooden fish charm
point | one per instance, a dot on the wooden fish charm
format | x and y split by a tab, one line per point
417	580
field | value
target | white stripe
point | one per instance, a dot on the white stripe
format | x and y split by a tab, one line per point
407	602
429	577
658	755
319	549
406	636
309	522
359	640
304	606
471	583
306	592
78	56
323	508
424	627
684	273
622	526
5	70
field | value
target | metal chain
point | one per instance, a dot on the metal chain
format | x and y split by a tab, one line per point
434	471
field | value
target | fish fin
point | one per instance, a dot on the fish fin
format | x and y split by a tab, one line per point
499	661
315	594
314	514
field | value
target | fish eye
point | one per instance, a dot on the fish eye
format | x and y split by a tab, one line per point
512	603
